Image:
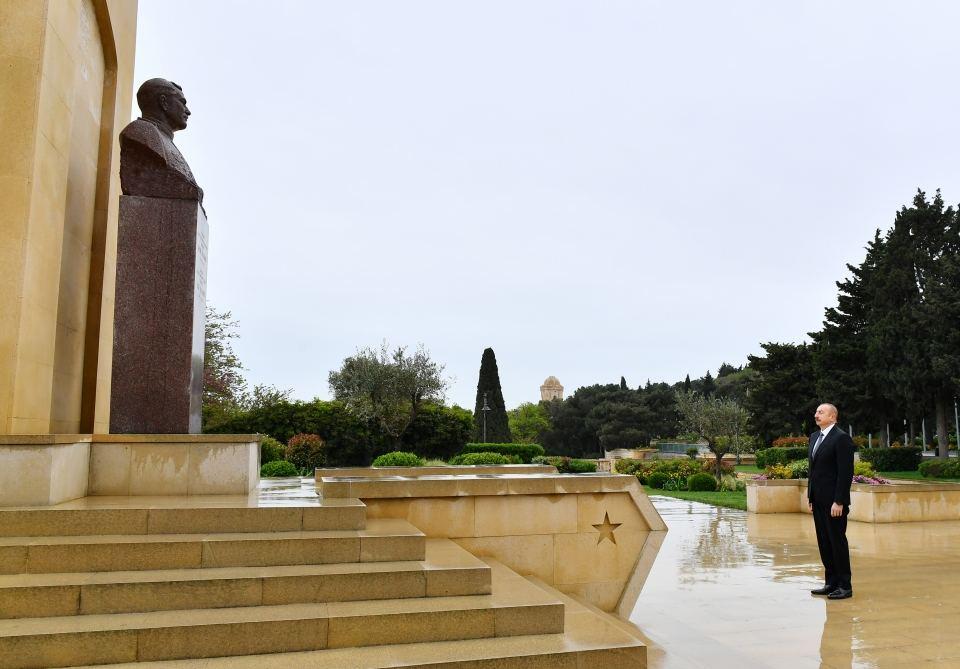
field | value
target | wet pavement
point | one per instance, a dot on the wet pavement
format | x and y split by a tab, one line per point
731	589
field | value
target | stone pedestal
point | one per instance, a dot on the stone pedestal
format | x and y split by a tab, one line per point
159	317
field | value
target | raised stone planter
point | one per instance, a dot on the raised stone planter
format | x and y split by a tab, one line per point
899	502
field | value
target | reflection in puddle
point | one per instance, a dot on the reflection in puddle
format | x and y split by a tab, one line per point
730	589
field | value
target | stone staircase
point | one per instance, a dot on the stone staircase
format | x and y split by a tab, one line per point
223	582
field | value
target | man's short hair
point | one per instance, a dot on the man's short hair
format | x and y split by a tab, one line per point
148	95
833	408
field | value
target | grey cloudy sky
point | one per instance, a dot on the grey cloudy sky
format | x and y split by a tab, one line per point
594	189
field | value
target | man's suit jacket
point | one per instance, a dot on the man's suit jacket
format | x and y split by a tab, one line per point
831	469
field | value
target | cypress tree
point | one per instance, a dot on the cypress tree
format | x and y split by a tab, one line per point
686	384
623	383
498	428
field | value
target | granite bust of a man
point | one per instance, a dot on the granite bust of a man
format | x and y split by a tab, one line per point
150	163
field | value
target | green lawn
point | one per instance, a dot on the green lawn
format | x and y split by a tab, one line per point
749	469
915	476
732	500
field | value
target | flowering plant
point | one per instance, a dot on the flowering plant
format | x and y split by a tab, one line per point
870	480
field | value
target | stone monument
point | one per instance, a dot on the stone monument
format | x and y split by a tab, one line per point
551	389
157	377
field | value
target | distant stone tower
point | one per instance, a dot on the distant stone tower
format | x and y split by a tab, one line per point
551	389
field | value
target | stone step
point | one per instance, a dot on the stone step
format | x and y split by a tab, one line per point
384	540
591	640
447	570
517	607
180	515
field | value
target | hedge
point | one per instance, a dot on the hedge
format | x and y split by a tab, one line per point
398	459
903	459
567	465
941	469
487	458
270	450
278	468
780	455
526	452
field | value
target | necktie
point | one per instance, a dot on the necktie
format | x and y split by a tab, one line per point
816	446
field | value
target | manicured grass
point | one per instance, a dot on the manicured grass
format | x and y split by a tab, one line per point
749	469
732	500
915	476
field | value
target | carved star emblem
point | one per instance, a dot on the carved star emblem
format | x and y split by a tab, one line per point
606	529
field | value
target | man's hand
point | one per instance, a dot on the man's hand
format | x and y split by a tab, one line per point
836	510
810	506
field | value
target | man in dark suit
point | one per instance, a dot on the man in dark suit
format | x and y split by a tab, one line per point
828	494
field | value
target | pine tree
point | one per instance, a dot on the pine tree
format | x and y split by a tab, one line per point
913	336
845	376
498	428
707	385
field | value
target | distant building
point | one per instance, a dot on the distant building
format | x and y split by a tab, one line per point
551	389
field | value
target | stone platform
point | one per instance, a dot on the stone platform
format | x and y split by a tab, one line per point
730	590
279	578
43	470
593	536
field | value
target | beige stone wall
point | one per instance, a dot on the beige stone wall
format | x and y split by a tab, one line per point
65	94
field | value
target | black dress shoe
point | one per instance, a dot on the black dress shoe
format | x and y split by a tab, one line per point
825	590
840	593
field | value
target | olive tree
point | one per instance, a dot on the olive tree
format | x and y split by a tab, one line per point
720	422
388	387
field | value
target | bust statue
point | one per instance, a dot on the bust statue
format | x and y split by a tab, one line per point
150	163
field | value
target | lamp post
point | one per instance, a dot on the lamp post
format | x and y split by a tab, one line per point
485	409
956	428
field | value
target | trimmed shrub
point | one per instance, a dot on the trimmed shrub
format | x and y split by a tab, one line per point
693	452
277	469
525	452
862	468
398	459
567	465
701	482
781	455
903	459
306	451
271	450
483	459
940	469
799	469
657	480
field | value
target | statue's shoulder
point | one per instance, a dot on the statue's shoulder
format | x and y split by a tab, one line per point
146	135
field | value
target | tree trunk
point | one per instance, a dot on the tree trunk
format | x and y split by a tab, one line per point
943	436
719	466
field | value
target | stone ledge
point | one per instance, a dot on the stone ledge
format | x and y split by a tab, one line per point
416	472
43	439
389	487
175	438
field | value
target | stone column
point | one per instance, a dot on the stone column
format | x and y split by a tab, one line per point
158	338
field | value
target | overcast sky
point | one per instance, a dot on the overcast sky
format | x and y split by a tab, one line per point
593	189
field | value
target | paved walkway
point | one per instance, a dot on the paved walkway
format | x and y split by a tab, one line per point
731	589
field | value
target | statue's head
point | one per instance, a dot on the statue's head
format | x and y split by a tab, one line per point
163	101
